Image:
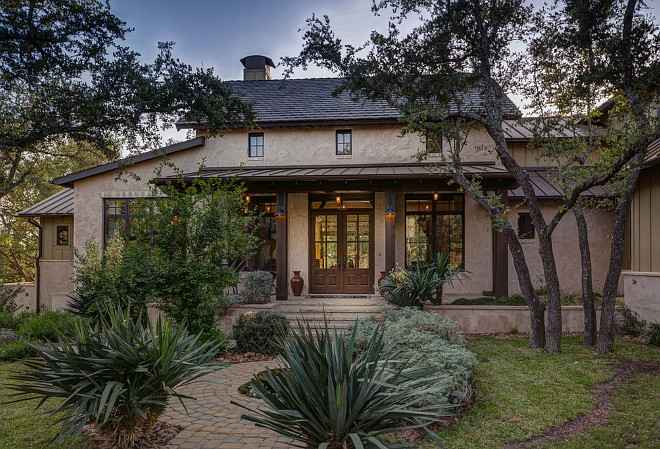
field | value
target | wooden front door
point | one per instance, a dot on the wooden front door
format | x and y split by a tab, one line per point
342	246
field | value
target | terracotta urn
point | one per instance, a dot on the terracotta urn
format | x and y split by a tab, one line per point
297	283
382	277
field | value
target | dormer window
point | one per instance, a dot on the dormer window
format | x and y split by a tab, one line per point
344	142
256	145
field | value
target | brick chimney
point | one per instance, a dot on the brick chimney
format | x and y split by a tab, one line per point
257	67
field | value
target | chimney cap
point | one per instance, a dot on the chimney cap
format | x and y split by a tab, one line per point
256	62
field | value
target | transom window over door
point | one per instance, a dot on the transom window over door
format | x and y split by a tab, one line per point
344	142
256	145
433	226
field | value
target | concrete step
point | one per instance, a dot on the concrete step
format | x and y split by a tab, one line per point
333	309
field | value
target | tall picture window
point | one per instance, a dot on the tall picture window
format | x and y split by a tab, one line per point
525	226
344	142
434	223
264	257
256	145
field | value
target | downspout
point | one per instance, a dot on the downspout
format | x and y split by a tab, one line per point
37	271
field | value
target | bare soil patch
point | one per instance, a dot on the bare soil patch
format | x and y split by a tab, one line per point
599	415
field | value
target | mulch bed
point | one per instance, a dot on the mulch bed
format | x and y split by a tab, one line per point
233	356
157	437
599	415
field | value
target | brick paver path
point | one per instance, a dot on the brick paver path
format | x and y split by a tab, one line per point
212	422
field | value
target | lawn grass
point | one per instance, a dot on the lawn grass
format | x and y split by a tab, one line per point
521	393
20	425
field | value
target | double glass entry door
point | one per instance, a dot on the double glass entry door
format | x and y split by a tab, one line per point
342	252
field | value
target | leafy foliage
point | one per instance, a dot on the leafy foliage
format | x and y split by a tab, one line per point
17	350
258	332
8	295
428	340
630	322
258	286
652	334
326	396
47	325
116	375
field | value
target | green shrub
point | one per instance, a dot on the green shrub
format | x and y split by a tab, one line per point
428	340
7	320
17	350
116	376
630	323
45	326
258	286
257	332
324	397
652	334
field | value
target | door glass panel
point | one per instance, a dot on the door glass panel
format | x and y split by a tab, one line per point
325	242
364	255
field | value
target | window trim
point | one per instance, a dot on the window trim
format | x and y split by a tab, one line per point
520	234
263	145
433	213
126	215
57	235
342	132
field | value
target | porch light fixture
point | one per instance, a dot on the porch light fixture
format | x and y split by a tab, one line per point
390	213
389	204
436	196
338	199
247	198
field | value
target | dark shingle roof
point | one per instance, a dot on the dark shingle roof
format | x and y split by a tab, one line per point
301	101
59	204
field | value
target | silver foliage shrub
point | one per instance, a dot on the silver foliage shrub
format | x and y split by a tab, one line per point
258	286
427	340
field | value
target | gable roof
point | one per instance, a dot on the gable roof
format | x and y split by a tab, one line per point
307	101
59	204
68	180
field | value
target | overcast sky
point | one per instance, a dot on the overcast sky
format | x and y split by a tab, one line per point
219	33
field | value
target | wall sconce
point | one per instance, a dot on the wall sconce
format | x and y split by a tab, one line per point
436	196
338	199
389	204
247	198
281	205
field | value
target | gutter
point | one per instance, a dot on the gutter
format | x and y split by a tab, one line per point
37	272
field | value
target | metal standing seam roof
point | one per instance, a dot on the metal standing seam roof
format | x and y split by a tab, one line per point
296	101
544	188
339	172
653	154
59	204
528	127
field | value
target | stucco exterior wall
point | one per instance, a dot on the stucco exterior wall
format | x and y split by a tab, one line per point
26	300
567	249
642	294
298	237
56	283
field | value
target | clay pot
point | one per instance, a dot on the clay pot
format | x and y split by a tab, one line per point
297	283
382	277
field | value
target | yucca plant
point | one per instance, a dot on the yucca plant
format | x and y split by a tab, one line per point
444	273
324	396
412	287
115	375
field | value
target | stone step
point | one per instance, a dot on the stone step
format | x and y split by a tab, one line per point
328	316
333	309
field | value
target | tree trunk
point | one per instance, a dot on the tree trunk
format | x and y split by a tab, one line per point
606	338
589	337
553	300
534	303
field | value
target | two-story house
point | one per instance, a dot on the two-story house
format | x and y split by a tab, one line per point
341	196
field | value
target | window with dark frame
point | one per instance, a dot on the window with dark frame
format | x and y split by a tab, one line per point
434	146
119	215
62	234
256	145
344	142
265	256
435	226
525	226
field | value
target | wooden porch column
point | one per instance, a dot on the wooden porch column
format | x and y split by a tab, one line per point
390	241
282	254
501	256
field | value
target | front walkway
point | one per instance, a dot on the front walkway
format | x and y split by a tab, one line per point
212	422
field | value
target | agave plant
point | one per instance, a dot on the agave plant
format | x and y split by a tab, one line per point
324	396
115	375
444	273
411	288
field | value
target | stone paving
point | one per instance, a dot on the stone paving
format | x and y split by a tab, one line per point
212	422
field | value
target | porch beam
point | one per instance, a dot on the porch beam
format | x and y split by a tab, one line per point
501	256
282	253
390	240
